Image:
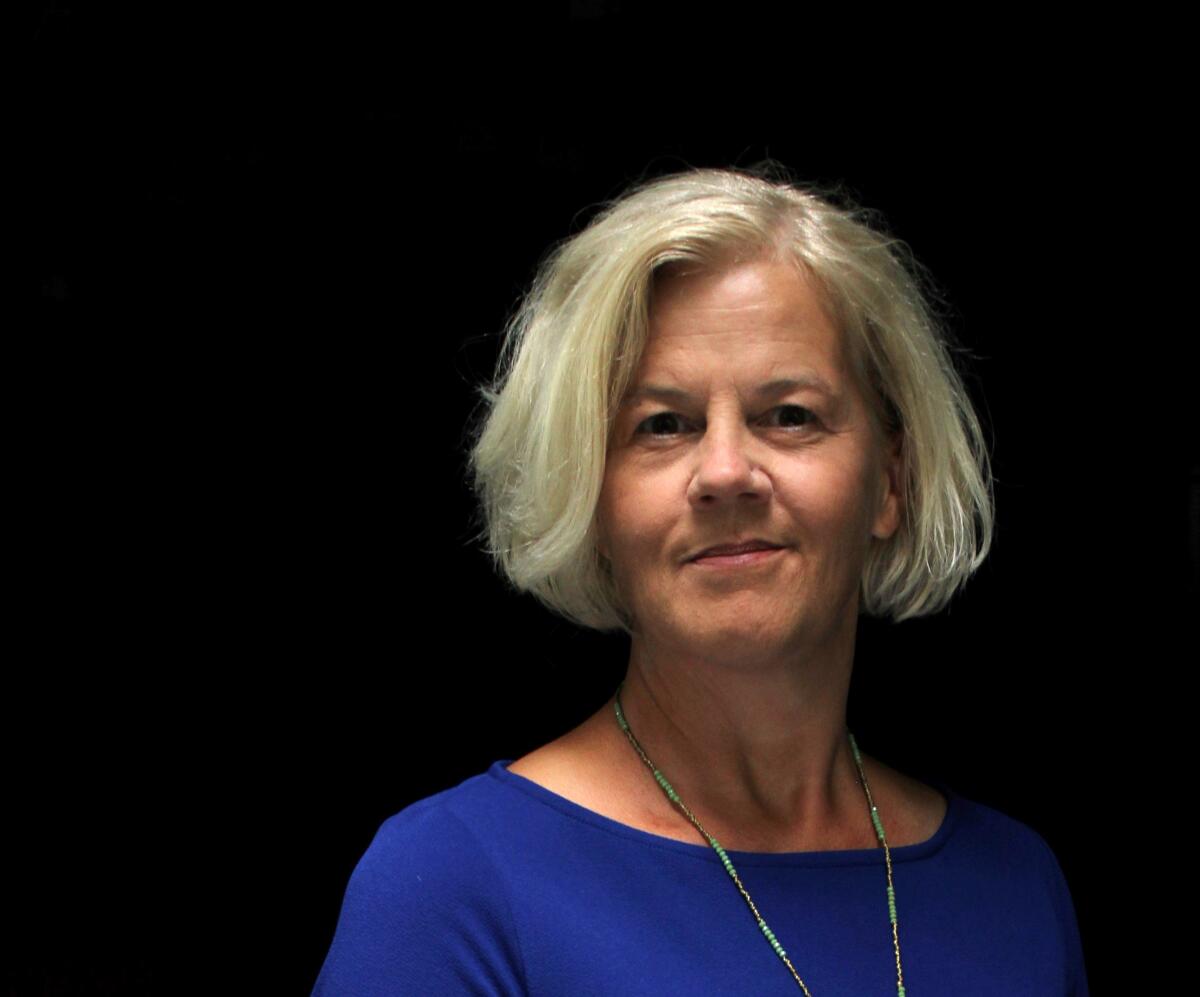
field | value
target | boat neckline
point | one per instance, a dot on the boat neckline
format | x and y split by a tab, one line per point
848	856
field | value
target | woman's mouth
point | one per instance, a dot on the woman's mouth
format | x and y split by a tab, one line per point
736	555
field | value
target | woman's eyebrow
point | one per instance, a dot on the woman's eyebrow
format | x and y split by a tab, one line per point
779	386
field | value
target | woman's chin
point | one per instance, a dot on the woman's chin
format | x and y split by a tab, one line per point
735	638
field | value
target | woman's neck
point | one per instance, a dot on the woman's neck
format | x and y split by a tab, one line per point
757	748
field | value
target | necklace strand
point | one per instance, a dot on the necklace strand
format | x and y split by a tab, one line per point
725	861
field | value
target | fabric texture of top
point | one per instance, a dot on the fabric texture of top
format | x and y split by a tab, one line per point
500	886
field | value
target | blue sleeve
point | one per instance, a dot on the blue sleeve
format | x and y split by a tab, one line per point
425	912
1064	908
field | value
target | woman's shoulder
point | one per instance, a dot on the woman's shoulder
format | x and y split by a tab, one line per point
913	810
432	838
999	848
582	768
423	909
1007	839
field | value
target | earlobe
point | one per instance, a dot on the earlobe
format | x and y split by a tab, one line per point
892	493
888	520
601	543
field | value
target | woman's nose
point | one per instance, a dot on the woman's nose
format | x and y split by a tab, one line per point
725	468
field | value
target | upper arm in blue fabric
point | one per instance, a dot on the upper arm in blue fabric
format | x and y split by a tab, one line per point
426	912
1077	985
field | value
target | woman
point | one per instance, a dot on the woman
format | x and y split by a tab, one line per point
725	423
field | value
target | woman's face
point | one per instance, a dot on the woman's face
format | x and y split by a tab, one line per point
744	422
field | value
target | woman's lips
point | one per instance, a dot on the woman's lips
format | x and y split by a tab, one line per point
738	558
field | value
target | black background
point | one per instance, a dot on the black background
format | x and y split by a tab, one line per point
267	256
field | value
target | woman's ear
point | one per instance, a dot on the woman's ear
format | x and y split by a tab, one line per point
601	537
891	489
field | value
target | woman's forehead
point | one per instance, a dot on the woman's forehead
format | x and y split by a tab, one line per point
757	315
766	291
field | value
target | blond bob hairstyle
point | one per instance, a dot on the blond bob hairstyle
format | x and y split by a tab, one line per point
574	344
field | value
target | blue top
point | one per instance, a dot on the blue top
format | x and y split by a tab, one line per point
499	886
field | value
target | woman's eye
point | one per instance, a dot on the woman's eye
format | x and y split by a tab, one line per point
670	423
794	416
661	424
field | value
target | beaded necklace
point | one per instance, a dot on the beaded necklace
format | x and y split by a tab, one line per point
767	932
